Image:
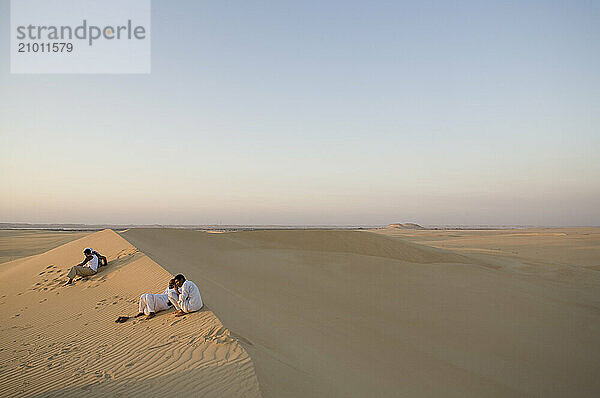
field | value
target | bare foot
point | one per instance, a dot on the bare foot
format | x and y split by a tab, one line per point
150	315
179	313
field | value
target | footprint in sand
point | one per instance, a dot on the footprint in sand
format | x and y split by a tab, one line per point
241	339
78	372
107	376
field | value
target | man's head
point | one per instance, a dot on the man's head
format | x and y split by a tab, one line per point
87	252
179	279
171	283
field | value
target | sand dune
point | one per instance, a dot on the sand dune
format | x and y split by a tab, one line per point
62	341
406	225
310	313
15	244
559	246
350	242
355	314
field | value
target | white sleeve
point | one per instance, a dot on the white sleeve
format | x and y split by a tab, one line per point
184	291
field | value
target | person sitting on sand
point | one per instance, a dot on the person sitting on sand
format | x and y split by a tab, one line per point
150	303
185	297
102	260
87	267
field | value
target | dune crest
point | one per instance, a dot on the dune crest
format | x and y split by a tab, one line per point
351	242
15	244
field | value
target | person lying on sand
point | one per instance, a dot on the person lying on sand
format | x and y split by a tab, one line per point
102	260
152	303
185	297
87	267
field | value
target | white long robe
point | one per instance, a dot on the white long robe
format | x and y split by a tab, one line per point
189	300
150	302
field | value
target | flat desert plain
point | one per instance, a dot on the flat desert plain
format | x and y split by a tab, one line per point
311	313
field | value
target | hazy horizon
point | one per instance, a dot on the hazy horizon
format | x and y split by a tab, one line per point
75	226
312	113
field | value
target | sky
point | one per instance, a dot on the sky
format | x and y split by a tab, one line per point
312	112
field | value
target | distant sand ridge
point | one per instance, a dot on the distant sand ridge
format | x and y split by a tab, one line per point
407	225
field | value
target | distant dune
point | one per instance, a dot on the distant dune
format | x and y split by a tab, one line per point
407	225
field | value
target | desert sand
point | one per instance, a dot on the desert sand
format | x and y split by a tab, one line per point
15	244
357	313
312	313
63	342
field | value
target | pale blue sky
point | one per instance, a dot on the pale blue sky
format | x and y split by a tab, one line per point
338	112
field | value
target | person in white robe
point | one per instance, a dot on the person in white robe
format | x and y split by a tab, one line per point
151	303
102	261
185	297
88	267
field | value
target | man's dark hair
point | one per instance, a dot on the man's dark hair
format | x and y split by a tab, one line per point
179	277
87	251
